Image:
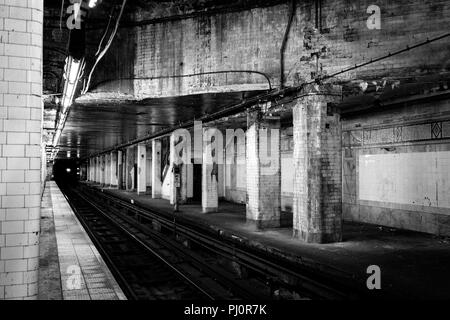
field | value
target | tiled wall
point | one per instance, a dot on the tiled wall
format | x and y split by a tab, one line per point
20	137
415	178
396	168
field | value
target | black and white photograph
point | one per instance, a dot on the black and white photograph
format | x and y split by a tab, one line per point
224	158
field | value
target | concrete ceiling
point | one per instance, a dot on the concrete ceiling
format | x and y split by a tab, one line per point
93	127
95	124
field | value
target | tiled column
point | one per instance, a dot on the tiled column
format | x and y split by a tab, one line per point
180	155
130	160
97	170
263	170
119	169
105	169
317	206
221	179
113	169
212	152
127	169
102	169
20	140
142	168
156	169
108	169
94	169
90	169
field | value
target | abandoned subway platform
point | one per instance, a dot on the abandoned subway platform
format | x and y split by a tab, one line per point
212	150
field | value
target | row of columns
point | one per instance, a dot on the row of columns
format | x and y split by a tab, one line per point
317	159
109	169
317	212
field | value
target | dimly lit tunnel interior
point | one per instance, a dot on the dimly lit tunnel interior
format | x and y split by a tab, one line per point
66	171
202	150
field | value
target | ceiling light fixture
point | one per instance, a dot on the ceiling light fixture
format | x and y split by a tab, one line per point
72	73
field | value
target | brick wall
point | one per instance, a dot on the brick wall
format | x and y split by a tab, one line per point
20	136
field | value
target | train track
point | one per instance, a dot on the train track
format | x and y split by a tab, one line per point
250	273
145	268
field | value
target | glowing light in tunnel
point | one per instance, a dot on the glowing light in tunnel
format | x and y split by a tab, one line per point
92	3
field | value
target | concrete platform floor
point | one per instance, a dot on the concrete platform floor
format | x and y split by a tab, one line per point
70	267
413	265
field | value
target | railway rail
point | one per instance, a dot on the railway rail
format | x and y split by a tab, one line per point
226	270
142	266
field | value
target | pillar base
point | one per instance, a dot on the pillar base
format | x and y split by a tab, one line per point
210	210
264	224
317	237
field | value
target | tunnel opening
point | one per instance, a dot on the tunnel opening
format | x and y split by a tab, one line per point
66	171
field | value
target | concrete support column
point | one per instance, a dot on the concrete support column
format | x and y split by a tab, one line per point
142	168
119	169
113	169
108	170
89	177
99	167
128	169
131	162
91	170
92	178
21	108
97	171
102	170
221	178
212	155
317	206
156	169
263	170
179	144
